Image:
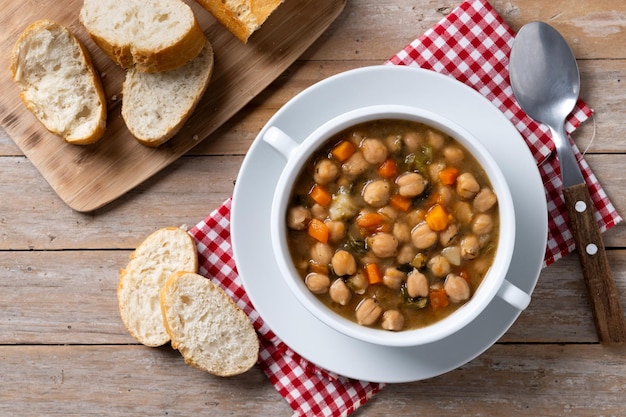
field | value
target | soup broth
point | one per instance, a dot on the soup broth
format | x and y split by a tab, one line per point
392	224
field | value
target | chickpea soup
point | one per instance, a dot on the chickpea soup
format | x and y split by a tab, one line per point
392	224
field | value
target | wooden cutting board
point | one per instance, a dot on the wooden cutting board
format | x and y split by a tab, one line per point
88	177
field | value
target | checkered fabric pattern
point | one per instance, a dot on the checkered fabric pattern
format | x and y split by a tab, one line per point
471	44
309	390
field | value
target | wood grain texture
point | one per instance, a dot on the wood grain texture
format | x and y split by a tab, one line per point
63	348
88	177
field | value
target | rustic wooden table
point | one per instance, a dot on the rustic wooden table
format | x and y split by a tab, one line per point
64	350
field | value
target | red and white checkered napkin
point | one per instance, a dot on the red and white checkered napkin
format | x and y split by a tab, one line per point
310	390
471	44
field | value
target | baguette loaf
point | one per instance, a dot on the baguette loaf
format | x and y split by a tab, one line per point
210	331
59	83
155	106
151	35
241	17
164	252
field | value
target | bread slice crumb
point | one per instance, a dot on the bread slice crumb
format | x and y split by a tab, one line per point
209	330
59	83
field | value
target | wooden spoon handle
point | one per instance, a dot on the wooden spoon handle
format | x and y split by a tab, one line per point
603	296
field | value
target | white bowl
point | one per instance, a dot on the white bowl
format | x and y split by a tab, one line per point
493	284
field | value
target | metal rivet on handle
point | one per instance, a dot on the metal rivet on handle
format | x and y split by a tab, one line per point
580	206
591	249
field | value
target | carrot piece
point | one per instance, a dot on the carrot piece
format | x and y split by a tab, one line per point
448	175
438	298
318	230
400	203
320	195
437	218
374	276
373	222
388	169
343	150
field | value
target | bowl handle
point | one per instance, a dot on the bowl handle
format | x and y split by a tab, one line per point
280	141
513	295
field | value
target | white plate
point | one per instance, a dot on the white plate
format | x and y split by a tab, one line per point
252	201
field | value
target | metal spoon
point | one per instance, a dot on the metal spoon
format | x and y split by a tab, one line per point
546	83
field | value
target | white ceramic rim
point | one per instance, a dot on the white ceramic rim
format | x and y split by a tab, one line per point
445	327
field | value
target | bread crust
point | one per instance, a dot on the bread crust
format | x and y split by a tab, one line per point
260	9
172	56
16	63
133	281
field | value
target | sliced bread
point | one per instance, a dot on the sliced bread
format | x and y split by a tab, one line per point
241	17
155	106
162	253
150	35
59	83
209	330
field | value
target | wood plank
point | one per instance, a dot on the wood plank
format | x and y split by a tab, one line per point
190	189
521	380
372	30
183	194
123	381
69	297
87	177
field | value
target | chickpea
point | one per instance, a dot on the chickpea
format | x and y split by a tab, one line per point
392	320
336	230
325	171
446	237
383	245
482	224
410	184
355	165
374	151
357	137
423	236
415	217
484	200
439	266
343	263
321	253
445	194
389	212
417	284
317	283
463	212
434	169
298	217
457	288
376	193
466	185
435	139
394	143
402	232
368	312
340	292
393	278
319	212
470	247
453	154
412	141
406	253
358	283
